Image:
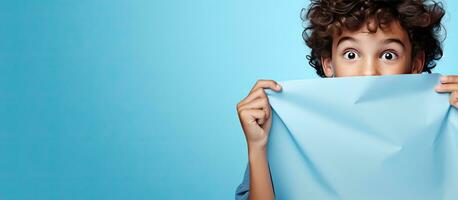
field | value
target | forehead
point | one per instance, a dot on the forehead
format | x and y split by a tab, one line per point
391	30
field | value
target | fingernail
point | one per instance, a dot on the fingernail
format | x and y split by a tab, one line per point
443	79
438	87
278	86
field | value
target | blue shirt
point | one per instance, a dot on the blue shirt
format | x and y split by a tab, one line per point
242	191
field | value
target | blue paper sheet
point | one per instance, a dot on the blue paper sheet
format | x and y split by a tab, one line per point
374	137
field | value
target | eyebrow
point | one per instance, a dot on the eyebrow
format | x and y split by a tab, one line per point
394	40
387	41
346	38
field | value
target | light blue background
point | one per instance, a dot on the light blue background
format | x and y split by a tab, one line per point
136	99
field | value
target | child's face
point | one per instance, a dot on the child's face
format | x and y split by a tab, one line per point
361	53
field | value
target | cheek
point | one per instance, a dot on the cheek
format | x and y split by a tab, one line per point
345	68
402	66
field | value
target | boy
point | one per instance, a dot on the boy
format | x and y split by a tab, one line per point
348	38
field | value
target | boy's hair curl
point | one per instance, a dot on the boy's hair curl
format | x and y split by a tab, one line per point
420	18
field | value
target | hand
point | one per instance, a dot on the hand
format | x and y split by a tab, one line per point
255	114
449	84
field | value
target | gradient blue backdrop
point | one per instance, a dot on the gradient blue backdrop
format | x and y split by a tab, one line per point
136	99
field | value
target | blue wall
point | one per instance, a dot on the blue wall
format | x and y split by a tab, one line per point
132	99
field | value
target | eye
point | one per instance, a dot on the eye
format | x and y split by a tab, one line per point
351	55
388	55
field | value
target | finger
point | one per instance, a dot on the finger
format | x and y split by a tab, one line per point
267	123
449	79
253	116
255	104
258	93
261	103
450	87
266	84
454	99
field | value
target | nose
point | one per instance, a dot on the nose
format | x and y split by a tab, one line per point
371	68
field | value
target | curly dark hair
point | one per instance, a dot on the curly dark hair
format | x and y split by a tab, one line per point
420	18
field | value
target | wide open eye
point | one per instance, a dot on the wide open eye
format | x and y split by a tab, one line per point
351	55
388	55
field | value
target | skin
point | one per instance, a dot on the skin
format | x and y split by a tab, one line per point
359	53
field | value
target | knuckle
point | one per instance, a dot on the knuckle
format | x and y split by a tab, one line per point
242	113
262	113
259	91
